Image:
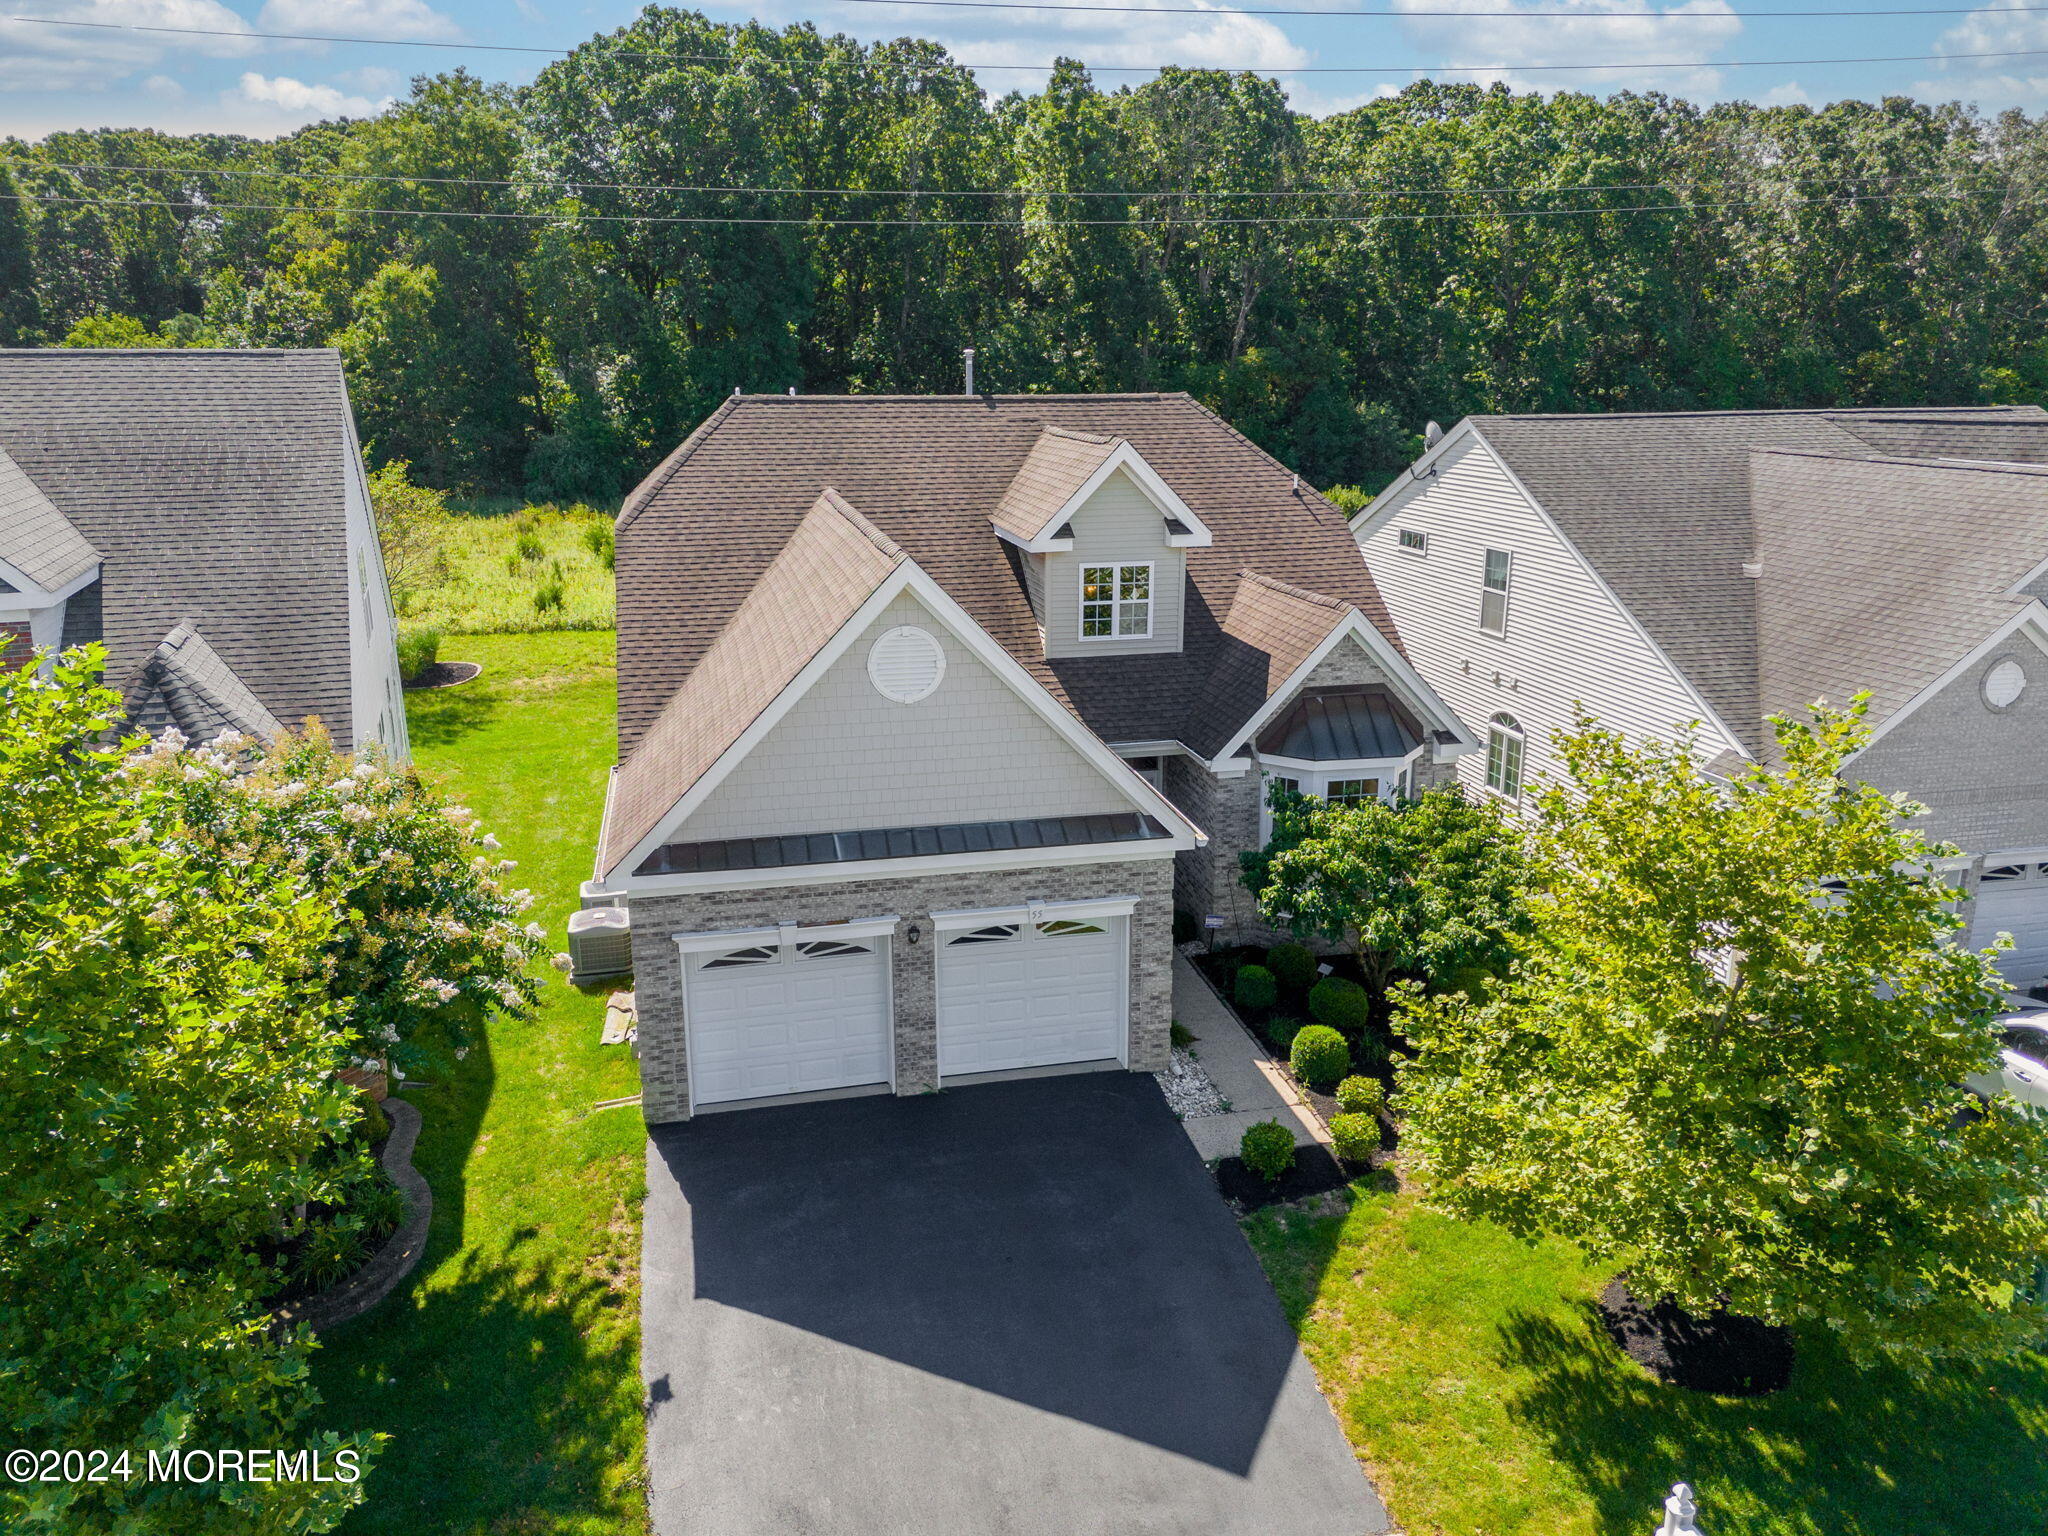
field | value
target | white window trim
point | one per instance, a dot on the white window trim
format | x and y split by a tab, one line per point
1117	567
1413	551
743	938
1517	733
1316	778
1506	592
1034	912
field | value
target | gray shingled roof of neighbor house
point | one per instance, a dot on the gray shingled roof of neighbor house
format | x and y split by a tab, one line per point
931	473
35	538
213	485
1845	604
1659	503
184	683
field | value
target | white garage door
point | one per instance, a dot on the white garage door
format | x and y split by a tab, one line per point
1018	993
768	1018
2013	898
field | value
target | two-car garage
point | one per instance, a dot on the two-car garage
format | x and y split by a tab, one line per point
772	1012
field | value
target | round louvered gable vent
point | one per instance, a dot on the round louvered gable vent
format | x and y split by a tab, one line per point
906	664
2004	684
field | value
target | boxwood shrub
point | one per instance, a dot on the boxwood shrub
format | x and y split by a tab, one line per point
1361	1095
1354	1137
1292	965
1267	1149
1255	988
1319	1056
1341	1004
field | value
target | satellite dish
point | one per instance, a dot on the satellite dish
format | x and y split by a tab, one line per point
1432	434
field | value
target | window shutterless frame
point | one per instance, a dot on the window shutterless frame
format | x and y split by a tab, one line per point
1493	595
1116	601
1504	745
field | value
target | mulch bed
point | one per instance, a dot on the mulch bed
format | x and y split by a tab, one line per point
444	674
1721	1353
1315	1172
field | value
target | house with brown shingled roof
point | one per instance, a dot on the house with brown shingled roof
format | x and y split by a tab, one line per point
933	712
1708	570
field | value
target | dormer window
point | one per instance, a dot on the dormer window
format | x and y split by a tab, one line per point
1116	602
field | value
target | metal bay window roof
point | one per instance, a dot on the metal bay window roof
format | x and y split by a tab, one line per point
899	843
1350	724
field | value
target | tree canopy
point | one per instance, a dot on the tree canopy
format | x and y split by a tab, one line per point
1729	1056
1446	250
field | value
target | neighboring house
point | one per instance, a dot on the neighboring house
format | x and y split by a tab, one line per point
933	710
205	516
1723	567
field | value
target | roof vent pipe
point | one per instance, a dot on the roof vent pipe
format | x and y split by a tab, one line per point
1432	434
967	356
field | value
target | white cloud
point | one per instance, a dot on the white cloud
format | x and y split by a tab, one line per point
371	80
1992	83
1790	94
55	58
293	102
1620	32
357	18
163	88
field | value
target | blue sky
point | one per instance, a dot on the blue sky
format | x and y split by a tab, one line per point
59	77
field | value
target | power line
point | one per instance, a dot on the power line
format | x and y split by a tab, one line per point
572	185
1846	200
868	64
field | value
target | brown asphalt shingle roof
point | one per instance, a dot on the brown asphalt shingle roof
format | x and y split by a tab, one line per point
930	472
214	485
834	561
1271	629
1659	504
1057	466
1846	604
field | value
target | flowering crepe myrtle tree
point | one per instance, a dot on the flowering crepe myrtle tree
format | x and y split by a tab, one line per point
168	1049
1728	1058
1429	885
429	942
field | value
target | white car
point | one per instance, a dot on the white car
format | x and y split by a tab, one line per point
2022	1059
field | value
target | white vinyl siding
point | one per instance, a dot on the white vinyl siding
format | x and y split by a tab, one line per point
845	758
1567	641
1118	526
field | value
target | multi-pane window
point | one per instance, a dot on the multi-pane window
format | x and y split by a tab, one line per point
1116	602
1493	598
1414	542
1352	791
1504	757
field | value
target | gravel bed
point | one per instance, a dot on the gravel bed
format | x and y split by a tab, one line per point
1189	1093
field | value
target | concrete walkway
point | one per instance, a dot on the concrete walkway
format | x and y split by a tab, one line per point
1238	1066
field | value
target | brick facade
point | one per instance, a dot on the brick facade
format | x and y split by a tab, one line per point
16	643
658	975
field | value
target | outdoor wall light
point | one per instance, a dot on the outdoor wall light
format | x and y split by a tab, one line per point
913	933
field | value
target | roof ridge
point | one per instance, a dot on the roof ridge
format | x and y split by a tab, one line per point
1245	573
962	400
846	509
1097	438
1917	461
1826	412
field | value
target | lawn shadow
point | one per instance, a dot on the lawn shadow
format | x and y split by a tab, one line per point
1843	1451
444	716
475	1388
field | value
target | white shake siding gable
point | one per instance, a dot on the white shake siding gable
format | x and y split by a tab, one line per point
1569	644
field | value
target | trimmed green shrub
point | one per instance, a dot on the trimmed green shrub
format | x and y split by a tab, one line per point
1186	927
1354	1137
1255	988
1319	1056
1361	1095
418	649
1281	1031
1292	965
1267	1149
1343	1005
1182	1036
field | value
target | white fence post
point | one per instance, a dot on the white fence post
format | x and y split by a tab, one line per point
1679	1510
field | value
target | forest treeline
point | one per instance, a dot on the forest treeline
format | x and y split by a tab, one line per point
1446	250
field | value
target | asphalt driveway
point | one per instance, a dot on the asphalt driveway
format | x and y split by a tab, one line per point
1019	1307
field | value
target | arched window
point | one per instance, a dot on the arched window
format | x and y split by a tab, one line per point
1504	742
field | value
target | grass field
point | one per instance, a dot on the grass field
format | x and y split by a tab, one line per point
507	1370
1470	1372
486	585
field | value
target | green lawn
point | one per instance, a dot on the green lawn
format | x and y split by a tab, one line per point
1475	1382
486	587
507	1371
